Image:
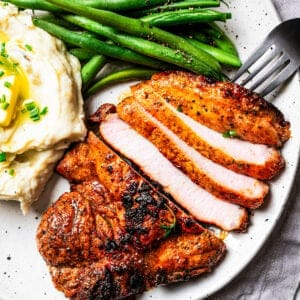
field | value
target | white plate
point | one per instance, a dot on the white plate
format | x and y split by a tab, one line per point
23	273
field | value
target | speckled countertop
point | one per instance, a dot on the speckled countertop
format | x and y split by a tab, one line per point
275	272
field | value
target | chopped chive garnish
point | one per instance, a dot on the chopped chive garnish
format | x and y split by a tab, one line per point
3	50
226	134
3	99
7	84
4	105
30	105
34	117
34	114
179	108
2	156
28	47
44	110
34	111
1	73
15	65
11	172
170	227
230	134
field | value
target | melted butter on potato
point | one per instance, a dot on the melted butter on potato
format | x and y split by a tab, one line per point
14	85
9	91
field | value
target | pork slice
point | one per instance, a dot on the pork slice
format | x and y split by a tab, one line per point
124	198
114	235
93	161
122	273
216	179
222	106
87	261
201	204
255	160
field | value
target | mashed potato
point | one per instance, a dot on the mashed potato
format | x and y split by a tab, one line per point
41	107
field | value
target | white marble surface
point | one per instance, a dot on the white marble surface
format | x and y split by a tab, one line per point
275	272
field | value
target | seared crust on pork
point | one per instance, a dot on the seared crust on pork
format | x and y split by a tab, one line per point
115	234
221	182
113	239
258	161
203	205
121	274
94	161
222	106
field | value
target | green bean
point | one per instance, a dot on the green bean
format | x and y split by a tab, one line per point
120	5
226	44
87	34
82	54
120	76
59	21
216	36
175	6
98	46
91	69
185	16
137	44
223	41
219	54
199	36
209	66
34	4
113	5
213	31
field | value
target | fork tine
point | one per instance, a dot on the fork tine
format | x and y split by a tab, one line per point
262	66
258	53
279	64
285	74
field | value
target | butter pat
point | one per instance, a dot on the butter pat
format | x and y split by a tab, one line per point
9	90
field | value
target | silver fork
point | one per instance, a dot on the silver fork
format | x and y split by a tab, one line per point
277	58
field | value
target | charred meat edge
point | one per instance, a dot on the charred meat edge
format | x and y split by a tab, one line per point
216	179
222	106
255	160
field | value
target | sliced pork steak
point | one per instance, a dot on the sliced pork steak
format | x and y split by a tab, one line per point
221	106
201	204
216	179
114	235
256	160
